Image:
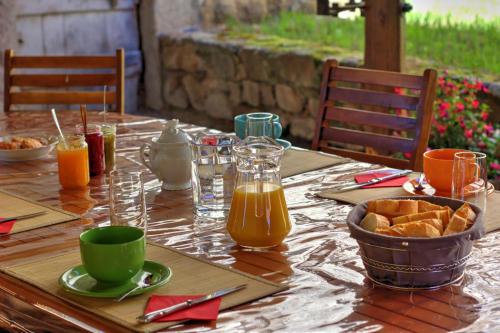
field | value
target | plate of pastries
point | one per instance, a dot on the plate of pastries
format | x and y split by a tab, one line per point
416	218
25	147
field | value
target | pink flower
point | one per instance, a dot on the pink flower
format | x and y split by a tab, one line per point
444	106
459	107
481	145
443	114
441	128
488	128
475	104
484	116
485	89
495	166
479	85
468	133
407	155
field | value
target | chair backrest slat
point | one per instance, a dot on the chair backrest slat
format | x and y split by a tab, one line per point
362	115
383	78
62	80
84	62
70	97
376	119
367	97
363	157
49	80
377	141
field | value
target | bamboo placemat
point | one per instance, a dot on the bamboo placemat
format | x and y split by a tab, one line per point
297	161
191	275
14	205
491	217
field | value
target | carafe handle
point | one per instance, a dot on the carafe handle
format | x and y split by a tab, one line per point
143	155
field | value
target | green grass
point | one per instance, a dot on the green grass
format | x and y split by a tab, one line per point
439	41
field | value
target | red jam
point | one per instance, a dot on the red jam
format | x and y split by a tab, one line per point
95	142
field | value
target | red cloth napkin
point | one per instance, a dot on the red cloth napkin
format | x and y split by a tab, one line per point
205	311
396	182
6	227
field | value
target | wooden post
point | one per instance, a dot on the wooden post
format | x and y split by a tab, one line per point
384	24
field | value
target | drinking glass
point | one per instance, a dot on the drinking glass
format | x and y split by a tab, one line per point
127	202
259	124
469	178
212	174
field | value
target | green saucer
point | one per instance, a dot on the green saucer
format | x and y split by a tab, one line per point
77	281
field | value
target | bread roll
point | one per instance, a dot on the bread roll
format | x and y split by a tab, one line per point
388	231
415	217
386	207
424	206
466	212
457	224
408	207
371	207
391	208
434	218
416	229
30	143
373	221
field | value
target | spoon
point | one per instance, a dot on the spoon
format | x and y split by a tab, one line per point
419	186
145	281
54	116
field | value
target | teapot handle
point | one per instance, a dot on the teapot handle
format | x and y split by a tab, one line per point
143	155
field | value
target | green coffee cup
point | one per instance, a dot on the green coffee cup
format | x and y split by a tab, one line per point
113	254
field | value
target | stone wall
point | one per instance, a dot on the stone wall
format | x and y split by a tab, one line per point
159	17
208	81
217	11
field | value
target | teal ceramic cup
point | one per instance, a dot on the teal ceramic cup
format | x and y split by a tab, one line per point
113	254
257	124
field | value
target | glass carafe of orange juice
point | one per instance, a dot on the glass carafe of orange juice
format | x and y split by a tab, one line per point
258	217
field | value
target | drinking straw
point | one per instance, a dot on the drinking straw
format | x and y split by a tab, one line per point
83	114
54	117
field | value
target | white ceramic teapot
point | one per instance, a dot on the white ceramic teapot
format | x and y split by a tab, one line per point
169	157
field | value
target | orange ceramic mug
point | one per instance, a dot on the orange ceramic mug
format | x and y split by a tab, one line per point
438	168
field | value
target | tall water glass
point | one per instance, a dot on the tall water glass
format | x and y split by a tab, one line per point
259	124
127	202
469	178
213	172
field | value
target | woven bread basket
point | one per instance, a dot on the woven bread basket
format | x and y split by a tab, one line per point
413	263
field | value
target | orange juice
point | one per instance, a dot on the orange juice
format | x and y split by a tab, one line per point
258	217
73	163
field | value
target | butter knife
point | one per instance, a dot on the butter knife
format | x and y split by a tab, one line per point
187	304
374	181
22	217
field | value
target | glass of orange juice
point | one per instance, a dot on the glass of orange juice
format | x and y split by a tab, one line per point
258	217
73	162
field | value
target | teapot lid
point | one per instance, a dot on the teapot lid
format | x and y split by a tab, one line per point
172	134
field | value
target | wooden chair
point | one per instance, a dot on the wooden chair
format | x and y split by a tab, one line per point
333	116
37	88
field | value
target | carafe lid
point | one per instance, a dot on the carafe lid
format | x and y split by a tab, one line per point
258	147
172	134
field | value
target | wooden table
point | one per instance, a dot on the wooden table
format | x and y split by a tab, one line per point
328	288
